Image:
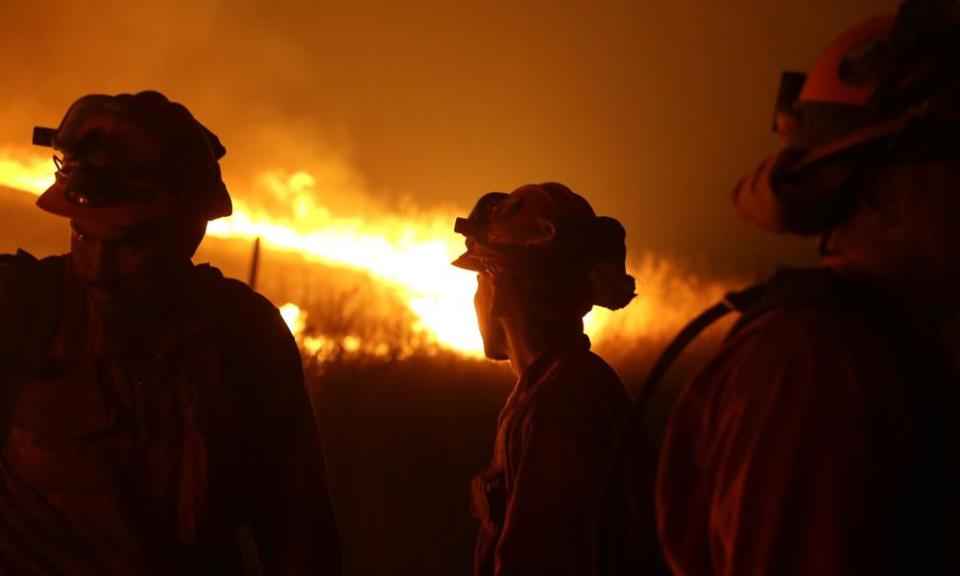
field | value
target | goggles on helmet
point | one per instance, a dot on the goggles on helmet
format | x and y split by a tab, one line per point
550	235
96	186
141	154
885	91
475	225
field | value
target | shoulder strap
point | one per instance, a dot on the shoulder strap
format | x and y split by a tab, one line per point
29	311
787	288
627	521
739	301
622	515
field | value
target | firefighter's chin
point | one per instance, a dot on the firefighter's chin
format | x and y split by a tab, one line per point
495	354
494	338
494	345
109	304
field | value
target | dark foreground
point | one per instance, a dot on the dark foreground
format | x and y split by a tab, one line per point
403	439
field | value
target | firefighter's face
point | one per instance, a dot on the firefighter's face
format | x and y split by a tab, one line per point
122	267
488	318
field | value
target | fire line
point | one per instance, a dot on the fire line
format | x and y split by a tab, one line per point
409	253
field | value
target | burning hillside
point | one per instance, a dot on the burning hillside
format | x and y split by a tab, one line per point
386	277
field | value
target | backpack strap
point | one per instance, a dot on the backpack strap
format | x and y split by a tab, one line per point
29	312
787	288
627	520
740	301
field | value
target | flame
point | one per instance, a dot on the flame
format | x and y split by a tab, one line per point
410	253
293	317
25	171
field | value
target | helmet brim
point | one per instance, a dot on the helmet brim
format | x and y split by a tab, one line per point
478	255
54	201
468	261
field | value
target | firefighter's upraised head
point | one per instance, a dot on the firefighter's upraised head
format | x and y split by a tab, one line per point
883	92
871	161
543	259
139	178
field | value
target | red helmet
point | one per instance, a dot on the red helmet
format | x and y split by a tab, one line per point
878	85
544	229
129	158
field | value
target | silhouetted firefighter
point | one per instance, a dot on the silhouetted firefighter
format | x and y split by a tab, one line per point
543	260
154	413
823	439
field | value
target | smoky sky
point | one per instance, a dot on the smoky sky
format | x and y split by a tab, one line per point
652	110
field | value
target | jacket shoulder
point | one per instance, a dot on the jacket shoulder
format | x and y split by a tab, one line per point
258	348
20	258
257	345
23	275
584	372
810	328
581	385
798	354
239	308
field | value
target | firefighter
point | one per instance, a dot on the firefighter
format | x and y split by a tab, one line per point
153	413
543	259
822	438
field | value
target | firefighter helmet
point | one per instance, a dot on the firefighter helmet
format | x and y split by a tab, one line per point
888	84
128	158
546	229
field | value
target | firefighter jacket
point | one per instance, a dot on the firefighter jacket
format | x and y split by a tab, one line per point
539	499
820	440
187	449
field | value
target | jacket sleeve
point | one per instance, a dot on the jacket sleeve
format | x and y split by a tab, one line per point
551	517
788	455
294	522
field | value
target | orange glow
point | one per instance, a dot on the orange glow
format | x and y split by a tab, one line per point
25	170
410	253
293	317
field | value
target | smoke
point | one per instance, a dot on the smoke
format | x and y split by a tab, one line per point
651	111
